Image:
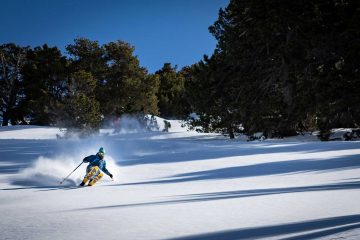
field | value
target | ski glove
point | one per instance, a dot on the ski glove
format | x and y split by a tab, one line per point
85	159
111	175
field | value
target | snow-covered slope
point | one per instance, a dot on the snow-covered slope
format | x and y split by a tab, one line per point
178	185
28	132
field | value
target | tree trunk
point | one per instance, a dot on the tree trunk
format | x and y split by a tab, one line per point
5	121
231	133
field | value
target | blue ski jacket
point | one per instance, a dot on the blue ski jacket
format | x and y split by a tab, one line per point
95	160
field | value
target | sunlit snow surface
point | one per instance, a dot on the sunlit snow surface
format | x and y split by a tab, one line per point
178	185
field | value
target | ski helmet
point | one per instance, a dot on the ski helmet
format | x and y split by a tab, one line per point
101	152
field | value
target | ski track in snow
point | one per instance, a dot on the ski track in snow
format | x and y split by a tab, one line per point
179	185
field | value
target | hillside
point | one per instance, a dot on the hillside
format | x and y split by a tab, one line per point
178	185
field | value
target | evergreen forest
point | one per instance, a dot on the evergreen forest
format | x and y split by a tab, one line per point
279	67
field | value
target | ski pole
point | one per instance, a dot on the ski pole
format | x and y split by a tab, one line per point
71	173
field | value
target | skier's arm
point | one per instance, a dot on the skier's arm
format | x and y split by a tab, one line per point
86	159
104	169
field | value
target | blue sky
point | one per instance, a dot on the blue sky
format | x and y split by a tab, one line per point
174	31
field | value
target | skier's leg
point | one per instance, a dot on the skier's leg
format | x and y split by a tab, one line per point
90	171
96	172
97	178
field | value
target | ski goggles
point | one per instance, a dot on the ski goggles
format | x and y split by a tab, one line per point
101	154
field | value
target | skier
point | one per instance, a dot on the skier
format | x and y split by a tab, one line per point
96	163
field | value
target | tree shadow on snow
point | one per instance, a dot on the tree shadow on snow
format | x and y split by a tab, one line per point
43	182
214	196
263	169
41	188
270	191
312	229
16	155
166	151
320	228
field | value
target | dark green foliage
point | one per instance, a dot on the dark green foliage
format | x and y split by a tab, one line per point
128	87
45	84
81	111
122	86
353	135
171	92
88	55
167	126
12	60
48	88
280	67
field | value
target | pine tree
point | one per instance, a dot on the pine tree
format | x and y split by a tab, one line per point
279	66
88	55
122	85
171	92
12	60
45	82
81	111
128	87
